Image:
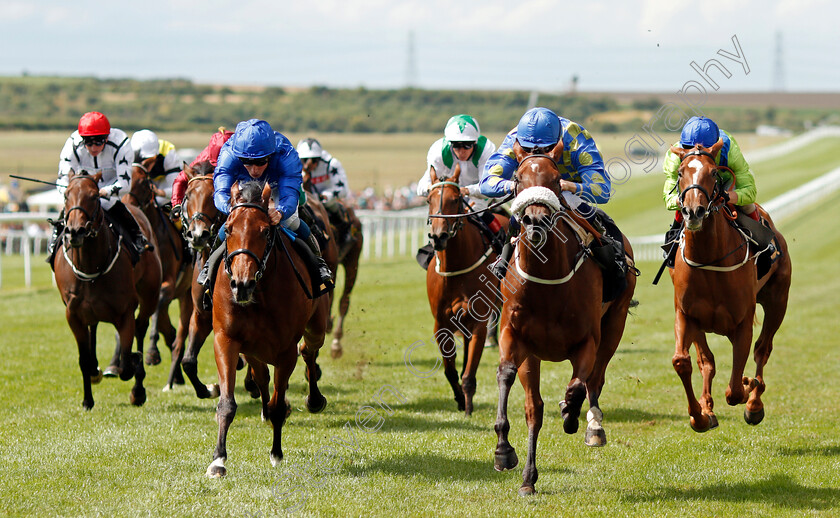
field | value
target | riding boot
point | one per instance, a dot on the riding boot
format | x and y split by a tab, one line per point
669	249
58	228
119	212
312	254
206	276
500	265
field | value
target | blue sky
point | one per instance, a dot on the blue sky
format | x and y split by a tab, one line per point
645	45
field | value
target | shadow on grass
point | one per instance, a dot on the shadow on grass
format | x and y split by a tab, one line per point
632	415
810	451
778	490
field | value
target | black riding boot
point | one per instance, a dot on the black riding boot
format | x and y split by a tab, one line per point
312	254
129	225
497	239
58	228
500	266
669	248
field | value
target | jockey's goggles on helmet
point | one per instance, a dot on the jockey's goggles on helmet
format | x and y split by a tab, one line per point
536	150
95	140
463	145
256	161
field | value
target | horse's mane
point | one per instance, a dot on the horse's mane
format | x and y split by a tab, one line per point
203	168
251	192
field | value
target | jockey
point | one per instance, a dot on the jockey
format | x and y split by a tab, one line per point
97	147
582	172
256	152
741	192
463	144
208	154
328	179
166	167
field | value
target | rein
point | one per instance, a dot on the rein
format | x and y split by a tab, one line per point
269	245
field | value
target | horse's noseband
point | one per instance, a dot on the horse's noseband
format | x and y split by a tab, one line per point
268	246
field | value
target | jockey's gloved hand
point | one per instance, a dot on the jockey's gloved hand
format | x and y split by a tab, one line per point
176	211
167	207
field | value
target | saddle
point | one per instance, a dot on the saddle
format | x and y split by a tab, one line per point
763	242
610	256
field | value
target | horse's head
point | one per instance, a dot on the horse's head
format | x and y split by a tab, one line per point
534	208
82	209
250	239
142	192
198	211
445	199
699	183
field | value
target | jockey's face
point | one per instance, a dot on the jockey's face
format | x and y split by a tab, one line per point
309	164
95	144
255	171
463	150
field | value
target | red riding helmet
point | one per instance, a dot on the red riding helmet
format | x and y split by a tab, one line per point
94	123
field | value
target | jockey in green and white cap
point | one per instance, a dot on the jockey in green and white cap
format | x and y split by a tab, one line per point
462	143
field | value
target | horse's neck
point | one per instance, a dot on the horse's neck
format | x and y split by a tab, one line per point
463	250
553	258
713	241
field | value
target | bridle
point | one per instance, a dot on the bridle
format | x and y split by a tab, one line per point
268	246
451	228
517	181
716	191
187	222
90	229
144	204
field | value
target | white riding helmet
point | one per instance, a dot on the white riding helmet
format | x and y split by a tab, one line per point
462	128
309	148
145	144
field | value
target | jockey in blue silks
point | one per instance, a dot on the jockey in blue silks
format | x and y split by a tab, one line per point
255	152
582	175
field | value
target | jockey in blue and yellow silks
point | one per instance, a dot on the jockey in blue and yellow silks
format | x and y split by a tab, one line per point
255	152
582	175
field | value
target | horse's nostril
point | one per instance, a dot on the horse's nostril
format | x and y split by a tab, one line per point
526	220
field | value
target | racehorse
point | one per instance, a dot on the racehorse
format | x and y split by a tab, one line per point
177	268
463	295
716	290
348	257
261	310
201	221
553	311
97	283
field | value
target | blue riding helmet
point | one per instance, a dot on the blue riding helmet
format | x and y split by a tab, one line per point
253	139
699	130
539	127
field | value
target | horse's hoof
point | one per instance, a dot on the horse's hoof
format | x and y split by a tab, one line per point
216	469
152	357
96	378
462	403
167	388
505	462
87	405
526	490
138	396
595	437
213	390
240	363
753	418
335	350
179	377
316	405
570	424
111	371
275	459
711	422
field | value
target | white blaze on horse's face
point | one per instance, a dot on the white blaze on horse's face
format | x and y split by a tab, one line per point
697	165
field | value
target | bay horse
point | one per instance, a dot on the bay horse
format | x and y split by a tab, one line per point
716	290
176	264
200	221
463	294
348	258
98	283
553	311
261	310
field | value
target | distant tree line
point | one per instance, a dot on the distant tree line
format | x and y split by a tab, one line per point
44	103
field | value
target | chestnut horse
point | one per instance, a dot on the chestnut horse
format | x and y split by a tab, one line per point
201	221
349	259
463	294
716	290
553	311
98	283
177	267
261	310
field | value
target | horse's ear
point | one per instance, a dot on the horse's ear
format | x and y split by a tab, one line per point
189	171
456	174
98	176
680	152
71	174
518	152
234	193
433	174
556	152
266	194
716	147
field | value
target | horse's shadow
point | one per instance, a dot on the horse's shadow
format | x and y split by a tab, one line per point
779	490
823	451
633	415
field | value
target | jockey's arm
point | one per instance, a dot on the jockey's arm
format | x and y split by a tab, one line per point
495	177
744	186
122	162
338	179
594	185
671	192
179	188
67	162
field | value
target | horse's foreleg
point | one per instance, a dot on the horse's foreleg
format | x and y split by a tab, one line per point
315	401
447	347
774	312
505	454
113	368
81	333
706	364
583	362
351	270
740	386
185	310
95	373
279	407
685	332
227	354
259	372
200	327
529	376
472	356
